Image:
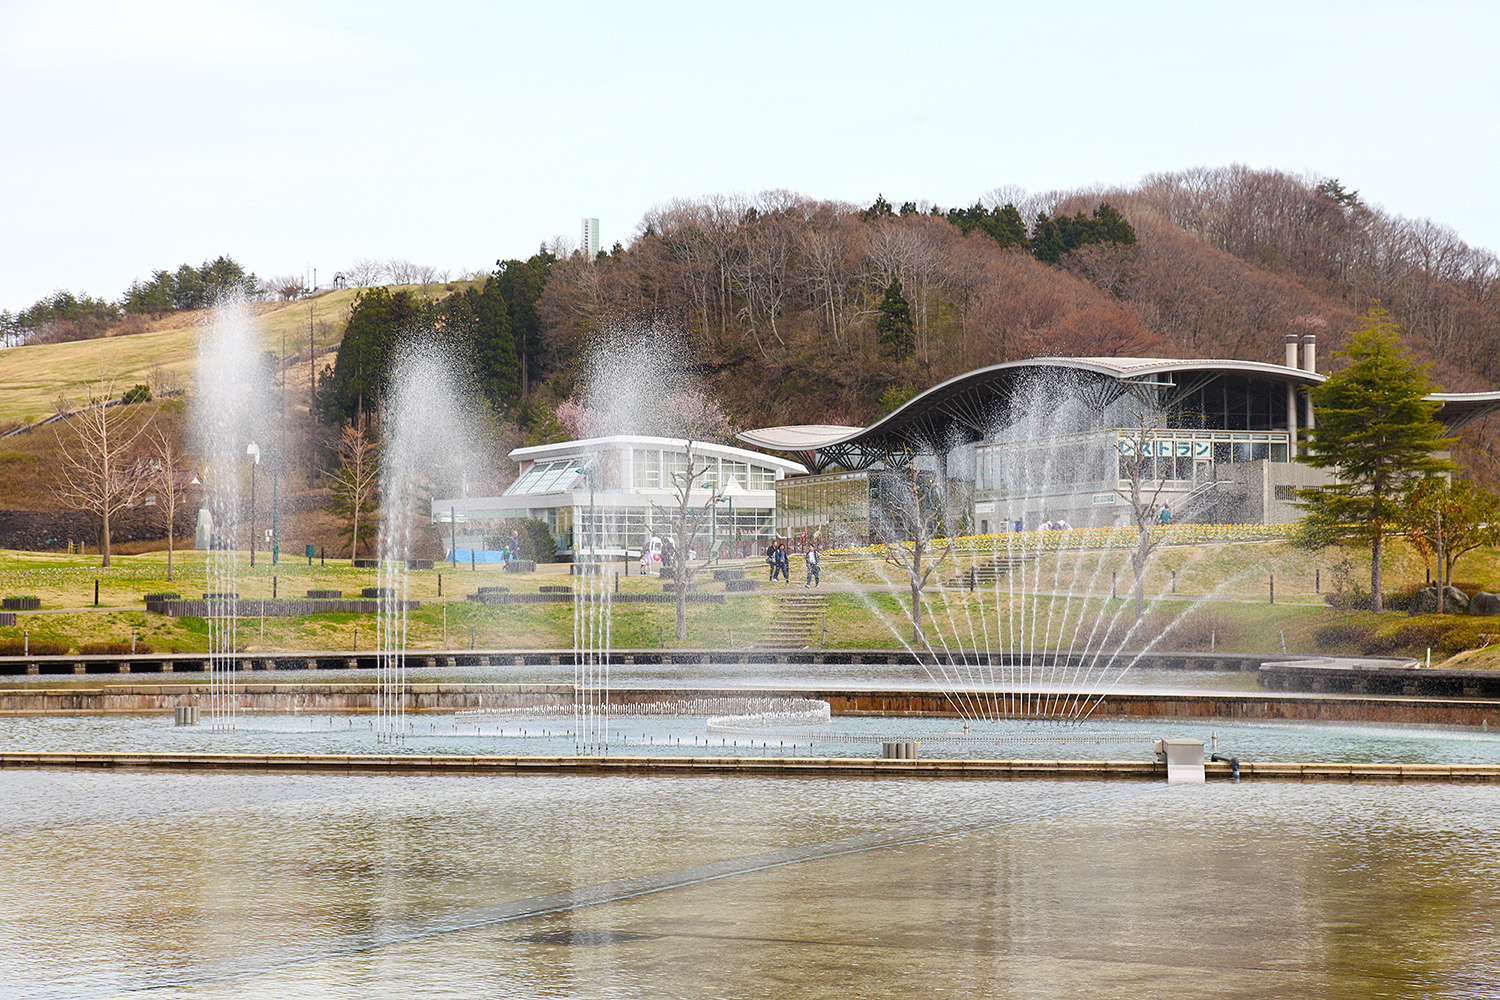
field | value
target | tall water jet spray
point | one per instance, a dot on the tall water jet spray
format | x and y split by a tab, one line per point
229	410
635	381
425	440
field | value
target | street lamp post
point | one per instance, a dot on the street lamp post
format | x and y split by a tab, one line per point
275	507
253	450
731	490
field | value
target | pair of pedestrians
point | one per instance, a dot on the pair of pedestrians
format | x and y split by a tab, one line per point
780	563
776	558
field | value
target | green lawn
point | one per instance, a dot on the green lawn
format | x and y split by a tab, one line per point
1222	602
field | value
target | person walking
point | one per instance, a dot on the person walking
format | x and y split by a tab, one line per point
771	560
782	563
812	568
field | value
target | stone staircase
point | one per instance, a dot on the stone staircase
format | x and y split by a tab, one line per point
986	572
796	622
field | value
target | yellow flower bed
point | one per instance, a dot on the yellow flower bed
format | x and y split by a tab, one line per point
1122	537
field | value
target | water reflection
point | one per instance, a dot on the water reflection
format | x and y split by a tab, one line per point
366	886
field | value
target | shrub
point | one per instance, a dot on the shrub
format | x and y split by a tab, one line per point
1469	635
137	394
1344	634
38	647
1401	598
1416	635
112	648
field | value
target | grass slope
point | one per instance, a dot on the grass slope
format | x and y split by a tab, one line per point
32	378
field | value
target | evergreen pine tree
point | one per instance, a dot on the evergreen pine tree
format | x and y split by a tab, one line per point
1046	240
1379	434
893	326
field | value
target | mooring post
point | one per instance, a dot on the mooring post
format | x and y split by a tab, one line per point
96	592
1113	580
1273	588
1174	581
440	585
1318	580
273	588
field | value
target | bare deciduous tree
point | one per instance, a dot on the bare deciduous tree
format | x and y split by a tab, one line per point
364	272
400	271
167	485
911	519
99	471
691	510
355	483
287	287
1138	463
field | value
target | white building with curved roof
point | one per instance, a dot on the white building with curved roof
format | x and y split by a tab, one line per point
611	491
1052	439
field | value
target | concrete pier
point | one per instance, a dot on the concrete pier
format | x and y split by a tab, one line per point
360	696
991	770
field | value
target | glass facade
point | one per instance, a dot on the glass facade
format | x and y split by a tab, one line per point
836	507
1232	404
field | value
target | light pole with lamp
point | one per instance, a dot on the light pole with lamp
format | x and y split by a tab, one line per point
731	490
253	450
275	507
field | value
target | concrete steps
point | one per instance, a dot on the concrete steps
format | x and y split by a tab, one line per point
988	571
796	622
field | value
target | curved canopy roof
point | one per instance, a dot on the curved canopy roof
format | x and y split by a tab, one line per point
965	408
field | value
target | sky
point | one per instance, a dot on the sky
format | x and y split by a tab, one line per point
139	135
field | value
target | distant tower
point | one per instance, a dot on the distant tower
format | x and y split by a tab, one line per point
591	238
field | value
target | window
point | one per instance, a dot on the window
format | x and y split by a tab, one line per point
647	473
738	471
549	477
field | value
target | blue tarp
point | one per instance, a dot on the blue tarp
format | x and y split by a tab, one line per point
476	555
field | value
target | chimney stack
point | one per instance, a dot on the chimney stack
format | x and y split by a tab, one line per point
1291	350
1310	351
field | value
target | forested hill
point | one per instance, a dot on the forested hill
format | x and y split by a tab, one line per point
801	311
812	311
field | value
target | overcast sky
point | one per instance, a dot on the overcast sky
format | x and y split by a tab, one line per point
141	134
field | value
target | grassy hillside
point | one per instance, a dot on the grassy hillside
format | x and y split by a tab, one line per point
164	355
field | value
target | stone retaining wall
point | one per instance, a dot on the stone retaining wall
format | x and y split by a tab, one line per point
366	660
272	607
892	703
